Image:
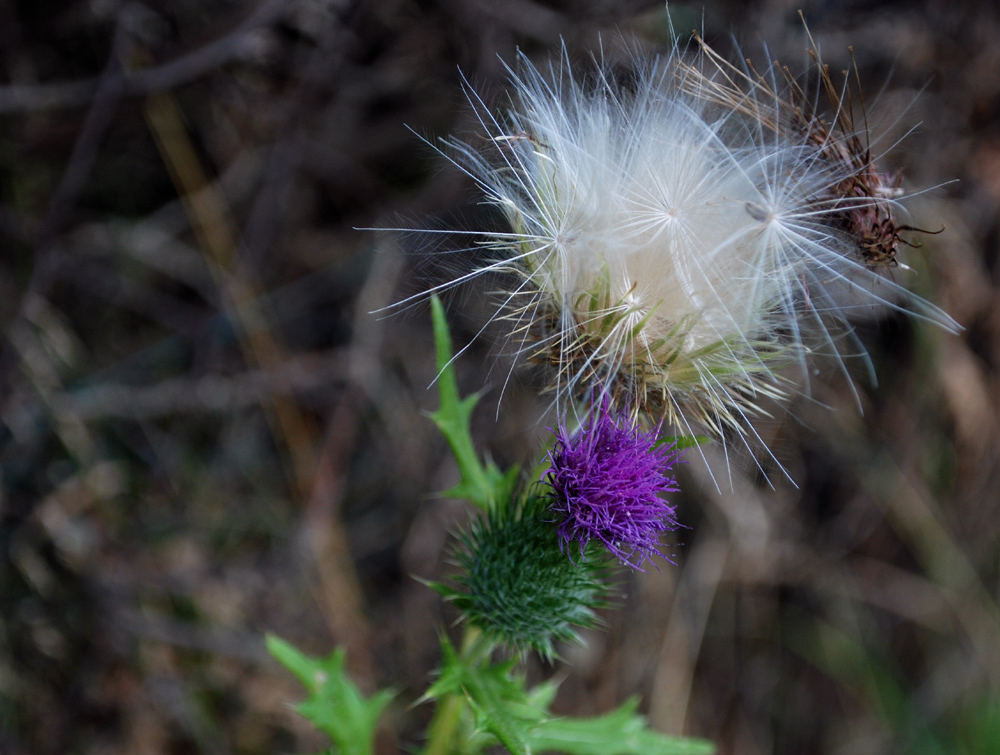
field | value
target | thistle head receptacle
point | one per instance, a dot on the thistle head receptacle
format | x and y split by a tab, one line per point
518	586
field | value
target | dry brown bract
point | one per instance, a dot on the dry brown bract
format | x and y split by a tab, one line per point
859	198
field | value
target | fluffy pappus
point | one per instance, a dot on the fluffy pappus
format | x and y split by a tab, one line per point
678	239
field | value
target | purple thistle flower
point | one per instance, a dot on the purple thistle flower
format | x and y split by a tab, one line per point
606	480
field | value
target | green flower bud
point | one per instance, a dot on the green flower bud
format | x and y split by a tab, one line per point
518	586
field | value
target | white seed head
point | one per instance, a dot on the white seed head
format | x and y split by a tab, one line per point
676	237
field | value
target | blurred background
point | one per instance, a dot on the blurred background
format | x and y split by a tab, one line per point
205	435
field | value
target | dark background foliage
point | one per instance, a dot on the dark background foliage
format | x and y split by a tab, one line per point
204	434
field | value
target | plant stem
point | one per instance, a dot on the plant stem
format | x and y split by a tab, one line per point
448	714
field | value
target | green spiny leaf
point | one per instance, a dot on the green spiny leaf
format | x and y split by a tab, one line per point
519	718
508	730
542	695
334	705
496	696
483	485
621	732
449	681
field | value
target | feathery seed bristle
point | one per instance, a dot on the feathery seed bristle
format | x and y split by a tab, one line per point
677	242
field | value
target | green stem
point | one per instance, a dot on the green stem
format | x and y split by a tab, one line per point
448	714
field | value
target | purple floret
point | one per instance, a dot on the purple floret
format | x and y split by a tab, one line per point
607	480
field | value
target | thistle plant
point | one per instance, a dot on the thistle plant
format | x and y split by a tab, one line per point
518	591
674	244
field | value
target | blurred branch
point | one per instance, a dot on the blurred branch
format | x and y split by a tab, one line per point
218	239
913	513
147	625
327	541
41	373
288	153
110	284
524	17
682	641
243	42
81	161
212	393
